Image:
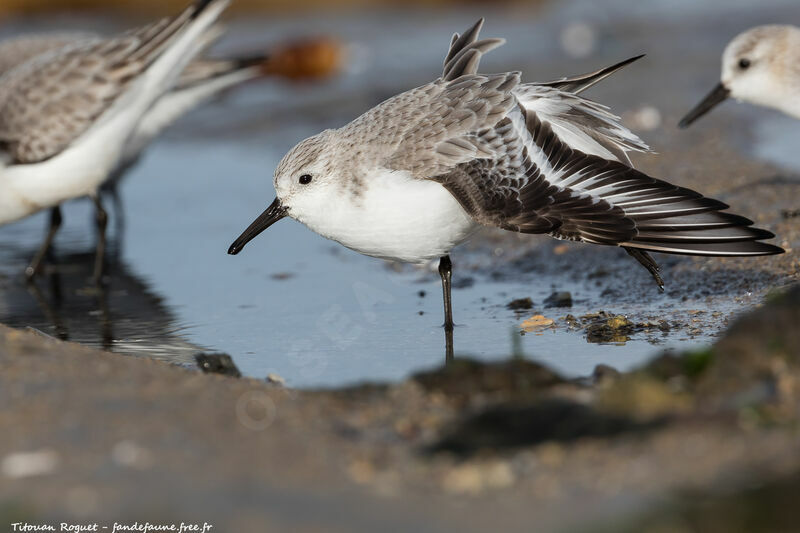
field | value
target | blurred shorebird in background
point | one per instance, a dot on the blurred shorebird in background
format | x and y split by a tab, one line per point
760	66
67	114
420	173
68	61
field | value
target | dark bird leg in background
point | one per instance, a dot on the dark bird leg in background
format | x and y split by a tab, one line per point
51	312
36	263
446	273
649	263
112	189
101	218
106	323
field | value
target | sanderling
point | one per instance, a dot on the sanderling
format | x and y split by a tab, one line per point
203	78
16	50
759	66
418	174
67	115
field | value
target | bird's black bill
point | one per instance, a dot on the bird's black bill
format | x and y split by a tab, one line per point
716	96
274	213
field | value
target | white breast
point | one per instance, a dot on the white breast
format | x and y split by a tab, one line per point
395	217
77	171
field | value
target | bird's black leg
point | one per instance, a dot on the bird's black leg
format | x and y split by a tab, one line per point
106	324
36	263
446	273
119	216
649	263
50	312
101	218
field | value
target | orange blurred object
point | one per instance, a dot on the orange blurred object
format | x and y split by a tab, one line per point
307	59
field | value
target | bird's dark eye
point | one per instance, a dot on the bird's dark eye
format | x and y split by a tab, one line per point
305	179
744	63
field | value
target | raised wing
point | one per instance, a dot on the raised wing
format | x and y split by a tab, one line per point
583	124
464	55
578	84
536	183
508	169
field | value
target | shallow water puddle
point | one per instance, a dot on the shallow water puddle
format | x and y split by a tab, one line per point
293	303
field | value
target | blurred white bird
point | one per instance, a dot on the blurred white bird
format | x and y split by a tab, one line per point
192	81
760	66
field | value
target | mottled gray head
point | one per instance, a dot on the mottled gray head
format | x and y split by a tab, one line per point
305	169
302	181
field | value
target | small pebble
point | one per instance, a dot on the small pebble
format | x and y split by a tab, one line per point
520	304
559	299
275	379
28	464
217	363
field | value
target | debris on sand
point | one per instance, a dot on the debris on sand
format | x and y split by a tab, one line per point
275	379
609	328
604	326
536	323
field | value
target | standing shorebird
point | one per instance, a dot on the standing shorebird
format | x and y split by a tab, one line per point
760	66
418	174
204	78
68	114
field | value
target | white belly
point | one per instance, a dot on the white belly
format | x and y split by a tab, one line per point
77	171
396	217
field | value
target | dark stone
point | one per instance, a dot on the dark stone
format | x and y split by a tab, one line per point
605	373
217	363
511	426
520	304
559	299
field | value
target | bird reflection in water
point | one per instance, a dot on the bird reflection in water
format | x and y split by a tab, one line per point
125	316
